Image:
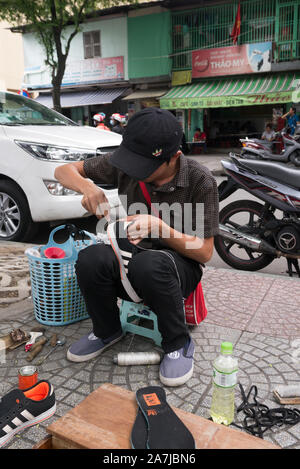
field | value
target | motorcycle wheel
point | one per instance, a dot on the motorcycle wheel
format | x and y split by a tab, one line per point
242	215
295	158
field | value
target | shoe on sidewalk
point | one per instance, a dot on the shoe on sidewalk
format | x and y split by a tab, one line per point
90	346
177	367
22	409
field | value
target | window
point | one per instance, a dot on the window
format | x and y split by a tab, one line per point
91	44
18	110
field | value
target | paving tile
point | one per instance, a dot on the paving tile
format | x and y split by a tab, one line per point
227	309
263	360
277	319
241	284
286	291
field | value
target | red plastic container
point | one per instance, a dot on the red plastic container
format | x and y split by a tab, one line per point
54	253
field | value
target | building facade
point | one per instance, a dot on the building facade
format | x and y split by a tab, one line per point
180	55
115	63
149	62
232	88
96	75
11	59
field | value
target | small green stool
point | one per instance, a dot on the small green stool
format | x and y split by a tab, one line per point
130	311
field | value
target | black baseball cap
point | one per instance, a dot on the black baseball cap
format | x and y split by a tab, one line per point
152	137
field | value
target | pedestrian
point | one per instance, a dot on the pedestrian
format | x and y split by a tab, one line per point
98	120
116	122
269	134
168	272
292	119
199	138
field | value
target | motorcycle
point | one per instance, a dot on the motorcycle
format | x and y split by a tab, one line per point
252	234
262	150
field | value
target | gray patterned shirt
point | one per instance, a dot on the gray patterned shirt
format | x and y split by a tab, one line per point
193	186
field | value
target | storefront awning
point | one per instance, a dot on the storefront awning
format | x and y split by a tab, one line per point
248	91
145	94
84	98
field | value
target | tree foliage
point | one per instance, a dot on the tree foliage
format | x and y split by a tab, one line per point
49	20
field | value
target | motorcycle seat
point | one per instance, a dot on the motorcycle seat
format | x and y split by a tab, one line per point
278	171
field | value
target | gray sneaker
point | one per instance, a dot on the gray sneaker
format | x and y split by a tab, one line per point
90	346
177	367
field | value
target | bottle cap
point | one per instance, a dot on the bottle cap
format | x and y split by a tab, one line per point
226	348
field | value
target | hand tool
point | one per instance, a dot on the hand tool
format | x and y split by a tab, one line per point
59	342
36	348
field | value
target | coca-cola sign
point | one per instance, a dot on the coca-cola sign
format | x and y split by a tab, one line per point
234	60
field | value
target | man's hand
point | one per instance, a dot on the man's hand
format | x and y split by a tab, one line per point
94	201
141	226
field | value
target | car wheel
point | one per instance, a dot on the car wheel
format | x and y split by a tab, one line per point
15	219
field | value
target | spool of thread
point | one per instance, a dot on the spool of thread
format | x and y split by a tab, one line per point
137	358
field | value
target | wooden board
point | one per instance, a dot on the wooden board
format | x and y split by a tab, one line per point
286	400
104	419
45	443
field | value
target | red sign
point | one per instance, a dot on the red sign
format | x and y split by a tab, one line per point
234	60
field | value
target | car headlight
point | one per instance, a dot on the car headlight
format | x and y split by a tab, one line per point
55	188
55	153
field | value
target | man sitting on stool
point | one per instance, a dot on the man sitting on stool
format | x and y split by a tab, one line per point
150	152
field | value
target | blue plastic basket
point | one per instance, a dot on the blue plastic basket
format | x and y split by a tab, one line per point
55	292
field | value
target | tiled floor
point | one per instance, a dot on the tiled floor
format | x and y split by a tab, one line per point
258	313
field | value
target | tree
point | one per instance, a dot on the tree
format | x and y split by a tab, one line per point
48	20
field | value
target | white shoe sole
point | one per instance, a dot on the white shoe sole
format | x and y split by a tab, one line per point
84	358
172	382
40	418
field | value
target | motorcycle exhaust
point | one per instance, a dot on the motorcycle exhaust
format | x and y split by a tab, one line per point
251	242
244	239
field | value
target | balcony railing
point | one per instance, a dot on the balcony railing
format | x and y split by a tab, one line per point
277	21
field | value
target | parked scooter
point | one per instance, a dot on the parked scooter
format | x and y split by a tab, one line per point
251	236
262	150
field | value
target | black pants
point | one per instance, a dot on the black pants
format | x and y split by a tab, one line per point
153	275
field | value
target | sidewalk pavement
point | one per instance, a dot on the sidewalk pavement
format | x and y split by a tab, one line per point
259	313
213	160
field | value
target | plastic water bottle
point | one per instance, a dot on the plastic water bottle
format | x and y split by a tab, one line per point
225	368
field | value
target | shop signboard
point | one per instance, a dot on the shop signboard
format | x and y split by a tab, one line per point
182	77
234	60
94	70
226	101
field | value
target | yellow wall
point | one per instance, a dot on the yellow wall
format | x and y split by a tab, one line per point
11	59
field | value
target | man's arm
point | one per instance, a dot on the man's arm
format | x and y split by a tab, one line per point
200	250
72	176
285	115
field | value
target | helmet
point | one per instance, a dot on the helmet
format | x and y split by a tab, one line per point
99	117
117	117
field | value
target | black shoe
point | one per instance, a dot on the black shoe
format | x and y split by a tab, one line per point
22	409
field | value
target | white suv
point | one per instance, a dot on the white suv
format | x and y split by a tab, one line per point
34	140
